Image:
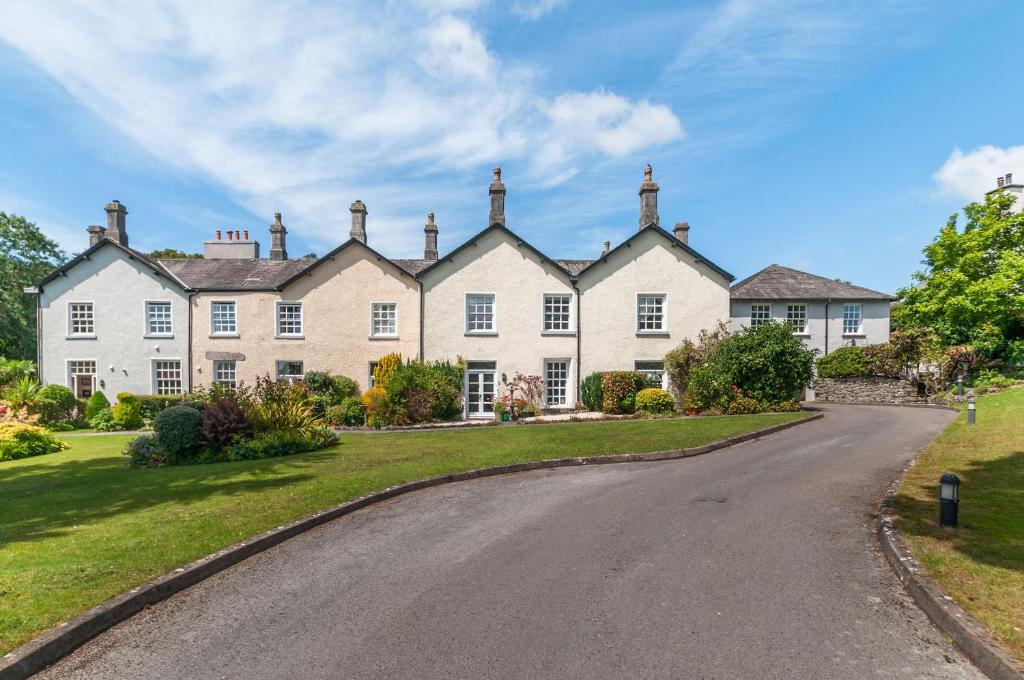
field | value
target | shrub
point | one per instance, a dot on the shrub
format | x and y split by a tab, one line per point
319	382
420	391
143	452
127	415
349	412
653	400
21	440
21	394
152	404
379	411
178	432
385	369
13	369
221	422
104	421
845	362
682	360
55	404
591	393
97	402
275	444
619	390
742	404
767	361
127	397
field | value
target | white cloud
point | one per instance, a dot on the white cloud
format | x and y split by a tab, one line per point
970	175
535	9
304	107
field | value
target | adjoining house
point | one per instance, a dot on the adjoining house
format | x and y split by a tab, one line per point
113	319
824	313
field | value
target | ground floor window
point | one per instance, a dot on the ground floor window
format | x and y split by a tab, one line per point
224	373
653	369
556	382
373	379
290	370
480	388
82	377
167	377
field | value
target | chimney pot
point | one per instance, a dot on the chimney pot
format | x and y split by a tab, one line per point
1009	178
245	233
358	230
682	232
649	199
278	251
999	181
607	247
231	235
116	227
430	239
218	234
497	192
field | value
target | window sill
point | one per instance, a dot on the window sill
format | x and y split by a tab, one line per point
223	335
854	335
289	337
652	334
801	335
159	337
565	334
482	334
383	337
81	336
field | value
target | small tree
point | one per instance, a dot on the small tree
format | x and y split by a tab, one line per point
26	257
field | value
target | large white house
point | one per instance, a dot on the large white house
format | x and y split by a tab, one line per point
117	320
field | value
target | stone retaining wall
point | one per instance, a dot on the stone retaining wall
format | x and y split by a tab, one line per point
866	389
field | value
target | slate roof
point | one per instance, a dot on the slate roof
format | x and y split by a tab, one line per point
574	267
776	282
413	266
235	274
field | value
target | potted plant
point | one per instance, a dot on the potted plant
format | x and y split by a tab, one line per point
525	408
692	407
501	411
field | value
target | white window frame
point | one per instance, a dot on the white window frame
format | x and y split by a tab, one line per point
155	374
569	401
465	387
792	308
662	378
214	333
290	377
762	308
860	318
372	382
374	335
277	319
664	314
569	330
493	330
147	330
218	366
71	327
70	377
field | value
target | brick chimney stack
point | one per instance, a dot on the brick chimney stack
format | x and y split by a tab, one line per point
682	232
497	192
430	239
358	231
116	214
278	251
649	199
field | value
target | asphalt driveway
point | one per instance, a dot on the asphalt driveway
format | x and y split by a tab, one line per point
752	562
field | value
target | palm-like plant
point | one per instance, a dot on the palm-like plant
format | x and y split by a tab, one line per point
13	369
21	394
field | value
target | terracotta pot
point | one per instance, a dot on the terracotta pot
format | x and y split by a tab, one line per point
691	411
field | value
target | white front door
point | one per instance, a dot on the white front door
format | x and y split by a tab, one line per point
480	389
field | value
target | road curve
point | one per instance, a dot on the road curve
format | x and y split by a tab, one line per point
752	562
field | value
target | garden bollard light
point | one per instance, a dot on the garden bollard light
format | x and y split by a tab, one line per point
949	499
971	409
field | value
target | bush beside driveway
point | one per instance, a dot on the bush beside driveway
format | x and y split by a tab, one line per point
79	527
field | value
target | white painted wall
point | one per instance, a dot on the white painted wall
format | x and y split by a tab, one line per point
118	287
697	298
518	279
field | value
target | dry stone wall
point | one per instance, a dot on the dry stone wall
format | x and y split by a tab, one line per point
867	389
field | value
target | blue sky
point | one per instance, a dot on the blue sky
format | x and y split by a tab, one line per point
834	137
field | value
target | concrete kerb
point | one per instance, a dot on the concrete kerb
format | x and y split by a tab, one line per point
61	640
968	633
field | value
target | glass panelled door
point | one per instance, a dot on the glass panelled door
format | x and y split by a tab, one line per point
480	389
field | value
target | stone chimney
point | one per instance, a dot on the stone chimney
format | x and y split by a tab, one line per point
358	231
278	251
607	247
682	232
497	192
430	239
233	248
96	234
649	199
116	214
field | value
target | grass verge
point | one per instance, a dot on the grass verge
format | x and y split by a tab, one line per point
981	563
79	527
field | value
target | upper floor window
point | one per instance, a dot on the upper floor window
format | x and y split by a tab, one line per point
650	313
851	319
796	318
760	314
385	320
80	318
557	313
479	313
223	320
289	318
158	318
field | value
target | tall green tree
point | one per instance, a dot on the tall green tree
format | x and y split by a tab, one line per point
971	290
26	256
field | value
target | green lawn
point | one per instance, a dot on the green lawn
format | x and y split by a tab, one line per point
980	564
78	527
